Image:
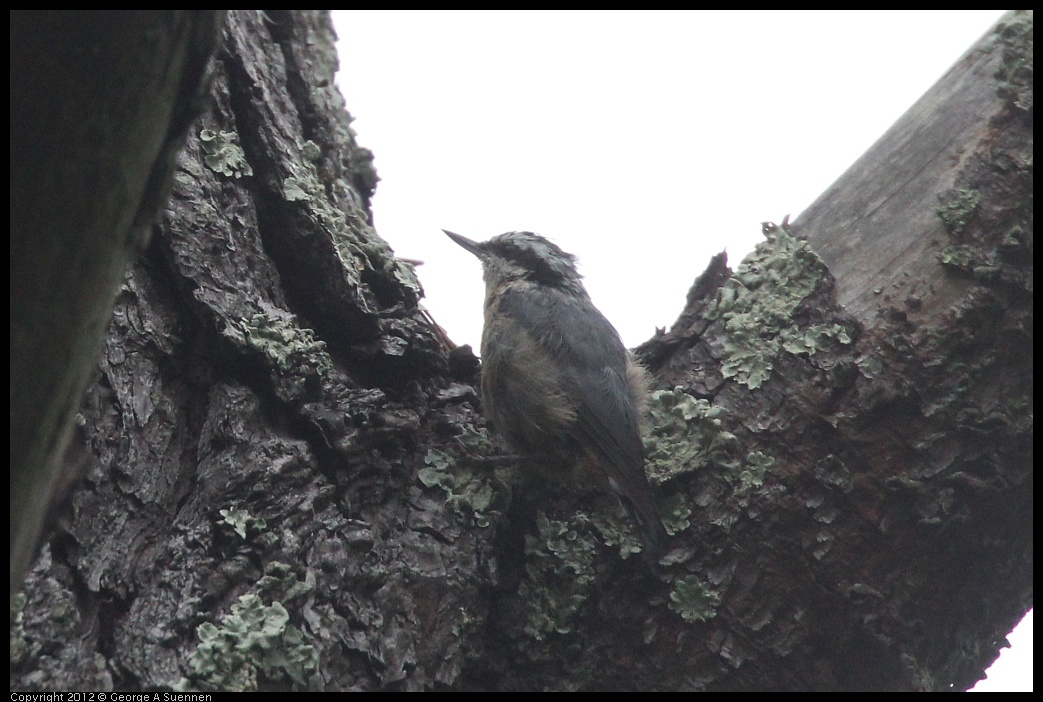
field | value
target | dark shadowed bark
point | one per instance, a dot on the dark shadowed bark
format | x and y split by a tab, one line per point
283	484
100	102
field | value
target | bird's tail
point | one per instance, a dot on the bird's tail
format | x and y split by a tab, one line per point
649	527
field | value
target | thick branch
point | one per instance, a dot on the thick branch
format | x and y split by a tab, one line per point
99	105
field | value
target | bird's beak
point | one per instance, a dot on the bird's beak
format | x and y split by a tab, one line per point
463	241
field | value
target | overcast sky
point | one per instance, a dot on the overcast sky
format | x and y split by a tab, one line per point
642	142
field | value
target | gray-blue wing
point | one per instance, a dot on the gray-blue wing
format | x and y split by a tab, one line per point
574	333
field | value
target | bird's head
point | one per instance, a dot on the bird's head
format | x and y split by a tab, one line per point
523	256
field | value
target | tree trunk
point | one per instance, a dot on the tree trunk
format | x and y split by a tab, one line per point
100	102
285	486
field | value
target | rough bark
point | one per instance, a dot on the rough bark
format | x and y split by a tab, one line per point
284	485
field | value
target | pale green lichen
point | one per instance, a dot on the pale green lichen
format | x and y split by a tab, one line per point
757	305
241	521
1015	75
280	582
252	640
616	530
357	245
289	348
560	569
961	258
675	513
684	434
694	600
310	151
956	213
753	473
814	339
223	154
468	493
688	434
295	190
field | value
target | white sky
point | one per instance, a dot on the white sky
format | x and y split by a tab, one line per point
643	142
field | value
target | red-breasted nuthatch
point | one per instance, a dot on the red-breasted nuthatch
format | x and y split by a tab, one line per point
557	383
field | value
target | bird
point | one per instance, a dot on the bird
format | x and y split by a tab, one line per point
557	383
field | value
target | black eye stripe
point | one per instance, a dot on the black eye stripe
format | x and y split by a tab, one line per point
544	261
